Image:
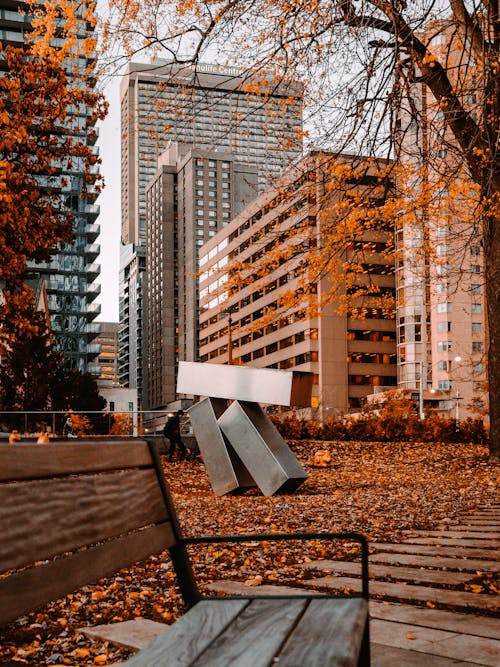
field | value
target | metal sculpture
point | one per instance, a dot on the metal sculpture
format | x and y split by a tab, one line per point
239	444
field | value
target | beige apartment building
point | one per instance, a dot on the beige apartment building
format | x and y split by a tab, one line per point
349	357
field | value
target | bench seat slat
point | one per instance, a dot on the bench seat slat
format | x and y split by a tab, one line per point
254	638
31	588
28	461
329	633
182	642
43	518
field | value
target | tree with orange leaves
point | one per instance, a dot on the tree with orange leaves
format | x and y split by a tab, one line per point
414	81
40	138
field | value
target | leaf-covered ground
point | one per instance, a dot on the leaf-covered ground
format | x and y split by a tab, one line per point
378	489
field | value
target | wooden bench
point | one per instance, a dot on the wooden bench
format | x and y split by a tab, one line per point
72	513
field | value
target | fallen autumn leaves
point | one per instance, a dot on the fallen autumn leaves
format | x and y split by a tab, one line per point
379	489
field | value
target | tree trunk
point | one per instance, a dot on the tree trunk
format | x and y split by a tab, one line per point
492	292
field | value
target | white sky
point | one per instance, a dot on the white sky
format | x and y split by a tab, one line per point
109	201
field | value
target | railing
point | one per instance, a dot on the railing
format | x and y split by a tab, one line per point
85	423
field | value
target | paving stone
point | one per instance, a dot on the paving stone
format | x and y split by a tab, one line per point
436	642
469	564
394	572
459	552
388	656
134	634
239	588
454	621
453	542
472	529
458	599
456	534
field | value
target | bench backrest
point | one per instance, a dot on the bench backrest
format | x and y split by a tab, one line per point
87	509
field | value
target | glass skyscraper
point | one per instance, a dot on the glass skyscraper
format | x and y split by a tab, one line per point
70	277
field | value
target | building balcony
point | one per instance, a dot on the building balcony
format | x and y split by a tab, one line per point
93	136
92	231
93	291
94	369
54	286
94	328
94	348
93	310
92	211
93	270
92	251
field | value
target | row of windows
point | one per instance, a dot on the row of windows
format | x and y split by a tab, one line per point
371	358
446	308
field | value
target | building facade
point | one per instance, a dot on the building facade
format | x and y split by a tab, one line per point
349	356
193	194
70	277
442	334
106	365
207	108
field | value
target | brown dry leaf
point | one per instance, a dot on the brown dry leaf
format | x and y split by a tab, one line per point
253	581
81	652
476	588
410	635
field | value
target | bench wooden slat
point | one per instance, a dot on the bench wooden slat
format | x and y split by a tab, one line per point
44	518
329	633
255	637
31	588
182	642
18	461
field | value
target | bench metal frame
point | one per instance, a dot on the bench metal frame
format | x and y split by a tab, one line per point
32	587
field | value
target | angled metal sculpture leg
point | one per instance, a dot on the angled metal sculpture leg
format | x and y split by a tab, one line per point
261	448
224	469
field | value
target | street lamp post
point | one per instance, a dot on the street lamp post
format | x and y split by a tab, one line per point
421	412
457	401
229	339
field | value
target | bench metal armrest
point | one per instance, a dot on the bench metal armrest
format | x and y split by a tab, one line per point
267	537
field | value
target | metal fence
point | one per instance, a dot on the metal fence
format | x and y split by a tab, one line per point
125	423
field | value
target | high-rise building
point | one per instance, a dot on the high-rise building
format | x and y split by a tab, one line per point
349	356
71	274
440	278
208	108
193	194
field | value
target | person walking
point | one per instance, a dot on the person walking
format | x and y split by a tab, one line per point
172	431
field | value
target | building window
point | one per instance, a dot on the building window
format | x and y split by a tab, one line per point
442	365
111	406
477	327
475	289
443	346
475	268
477	347
476	308
478	368
475	250
444	308
443	326
444	385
